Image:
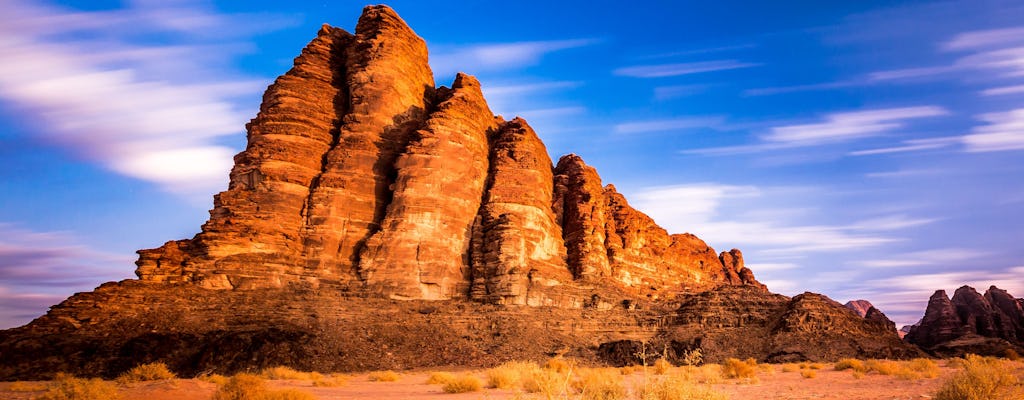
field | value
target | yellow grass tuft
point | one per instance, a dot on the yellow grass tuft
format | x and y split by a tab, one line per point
252	387
547	382
383	376
463	384
981	378
677	389
440	378
790	367
809	373
599	384
282	372
852	364
628	370
146	372
67	387
736	369
1011	354
559	365
216	379
662	366
333	380
510	374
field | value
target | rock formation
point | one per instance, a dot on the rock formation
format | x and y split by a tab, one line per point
860	307
970	323
375	221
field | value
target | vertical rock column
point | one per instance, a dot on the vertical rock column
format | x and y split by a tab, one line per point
252	236
518	255
580	204
389	84
421	250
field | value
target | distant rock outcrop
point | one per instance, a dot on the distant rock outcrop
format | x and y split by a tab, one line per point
860	307
377	221
970	323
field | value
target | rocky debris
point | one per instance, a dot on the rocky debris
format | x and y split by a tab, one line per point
377	222
859	306
970	323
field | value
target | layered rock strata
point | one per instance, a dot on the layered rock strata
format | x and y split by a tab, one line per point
361	176
377	222
970	323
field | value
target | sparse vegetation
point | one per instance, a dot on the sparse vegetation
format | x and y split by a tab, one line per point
662	366
462	384
851	363
510	374
809	373
440	378
735	369
1011	354
216	379
599	384
628	370
383	376
547	382
981	378
147	372
790	367
252	387
677	389
693	357
282	372
67	387
332	380
559	365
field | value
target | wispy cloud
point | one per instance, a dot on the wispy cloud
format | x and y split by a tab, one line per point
803	88
705	50
695	208
946	256
1003	90
476	58
674	124
1004	131
667	70
40	267
102	94
851	125
910	146
986	38
677	91
891	222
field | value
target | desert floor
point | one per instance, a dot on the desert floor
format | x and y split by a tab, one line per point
772	382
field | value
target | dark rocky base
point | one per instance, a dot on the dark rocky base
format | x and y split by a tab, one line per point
194	331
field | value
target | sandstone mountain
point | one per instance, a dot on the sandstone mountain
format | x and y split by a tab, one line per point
861	307
377	221
970	323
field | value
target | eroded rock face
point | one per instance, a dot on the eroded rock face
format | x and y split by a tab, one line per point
970	322
375	221
362	177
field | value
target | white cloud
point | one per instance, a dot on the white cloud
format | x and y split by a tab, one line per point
911	145
985	38
675	124
677	91
130	107
1004	131
1003	90
933	257
851	125
667	70
891	222
473	59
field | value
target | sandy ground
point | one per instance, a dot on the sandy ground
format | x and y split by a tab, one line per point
827	384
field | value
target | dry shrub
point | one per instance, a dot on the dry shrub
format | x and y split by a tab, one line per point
883	367
693	357
463	384
282	372
768	369
923	368
440	378
333	380
709	374
857	374
736	369
67	387
662	366
510	374
815	366
253	387
981	378
628	370
1011	354
147	372
790	367
677	389
20	386
242	387
599	384
383	376
851	363
548	382
809	373
559	365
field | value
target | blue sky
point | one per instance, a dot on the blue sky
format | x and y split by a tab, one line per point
858	149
